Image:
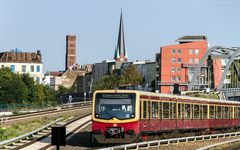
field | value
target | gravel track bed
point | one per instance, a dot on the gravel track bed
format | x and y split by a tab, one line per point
80	140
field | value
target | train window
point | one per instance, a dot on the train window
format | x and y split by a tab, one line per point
187	114
230	112
160	110
238	115
170	110
145	109
219	112
205	112
166	110
173	110
235	112
154	109
179	111
211	112
196	112
226	113
141	114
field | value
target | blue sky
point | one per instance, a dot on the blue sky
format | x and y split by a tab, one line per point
43	24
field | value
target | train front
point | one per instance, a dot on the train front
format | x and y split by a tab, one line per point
115	116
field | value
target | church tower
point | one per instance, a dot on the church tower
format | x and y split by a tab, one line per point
120	51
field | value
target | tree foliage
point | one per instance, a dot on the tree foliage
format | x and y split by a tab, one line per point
21	89
129	77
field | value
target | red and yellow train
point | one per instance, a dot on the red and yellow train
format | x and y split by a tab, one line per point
122	116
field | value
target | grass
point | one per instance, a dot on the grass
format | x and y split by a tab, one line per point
14	130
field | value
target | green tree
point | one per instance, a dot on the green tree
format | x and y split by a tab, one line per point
29	82
12	88
129	77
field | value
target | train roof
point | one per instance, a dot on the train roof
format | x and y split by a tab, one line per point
172	96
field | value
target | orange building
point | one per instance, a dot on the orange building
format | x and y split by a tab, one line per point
178	63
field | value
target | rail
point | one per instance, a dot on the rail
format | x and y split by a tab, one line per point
218	144
157	143
63	107
21	137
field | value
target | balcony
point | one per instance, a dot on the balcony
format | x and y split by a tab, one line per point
172	83
185	65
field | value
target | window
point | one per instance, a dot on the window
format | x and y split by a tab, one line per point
173	60
145	109
173	69
190	51
173	110
38	68
154	109
196	51
196	60
219	112
32	68
187	113
37	80
173	78
179	69
180	110
173	51
190	60
196	111
23	68
205	111
179	51
160	110
238	114
211	112
230	112
179	60
226	113
166	110
12	68
179	78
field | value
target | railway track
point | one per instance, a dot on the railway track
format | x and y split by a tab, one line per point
58	110
42	139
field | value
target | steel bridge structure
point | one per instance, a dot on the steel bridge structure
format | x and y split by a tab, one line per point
228	90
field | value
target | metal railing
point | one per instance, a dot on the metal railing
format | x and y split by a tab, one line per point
21	137
157	143
218	144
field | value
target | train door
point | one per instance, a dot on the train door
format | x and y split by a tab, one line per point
144	126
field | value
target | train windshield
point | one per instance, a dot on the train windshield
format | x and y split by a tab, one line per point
115	105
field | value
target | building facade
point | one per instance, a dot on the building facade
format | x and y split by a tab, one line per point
23	63
178	62
70	51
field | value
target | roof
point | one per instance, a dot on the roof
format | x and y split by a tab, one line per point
55	73
192	38
172	96
20	57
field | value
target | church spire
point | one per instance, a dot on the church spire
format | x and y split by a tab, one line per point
120	51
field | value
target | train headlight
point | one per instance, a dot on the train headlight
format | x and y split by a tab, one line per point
132	115
96	115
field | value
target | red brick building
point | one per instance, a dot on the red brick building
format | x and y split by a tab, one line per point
178	63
